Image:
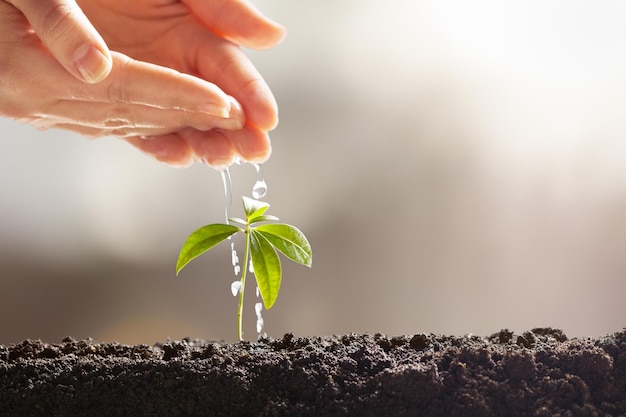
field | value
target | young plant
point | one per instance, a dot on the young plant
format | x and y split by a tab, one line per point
262	244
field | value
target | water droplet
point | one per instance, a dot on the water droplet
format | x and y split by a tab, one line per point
259	190
258	307
258	292
235	287
234	258
260	187
250	266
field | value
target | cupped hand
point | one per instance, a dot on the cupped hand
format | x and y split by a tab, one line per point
186	117
136	98
203	38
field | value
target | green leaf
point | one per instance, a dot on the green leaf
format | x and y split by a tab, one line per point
253	208
289	240
237	220
264	218
202	240
267	269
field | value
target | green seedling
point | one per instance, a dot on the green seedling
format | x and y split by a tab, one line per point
263	242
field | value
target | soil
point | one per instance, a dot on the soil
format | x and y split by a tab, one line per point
537	373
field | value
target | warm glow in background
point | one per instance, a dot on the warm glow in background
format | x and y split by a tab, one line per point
459	167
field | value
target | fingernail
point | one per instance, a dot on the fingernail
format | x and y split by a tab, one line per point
92	65
229	124
236	111
235	119
217	110
231	116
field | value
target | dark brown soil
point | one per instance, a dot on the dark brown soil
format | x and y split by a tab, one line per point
538	373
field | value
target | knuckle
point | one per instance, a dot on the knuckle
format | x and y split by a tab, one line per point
119	120
118	88
115	92
53	24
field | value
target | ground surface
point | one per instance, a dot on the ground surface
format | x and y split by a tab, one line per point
538	373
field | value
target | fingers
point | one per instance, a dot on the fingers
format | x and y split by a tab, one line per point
219	148
137	82
70	37
139	98
169	149
251	145
176	118
238	21
227	66
213	147
216	148
103	119
186	147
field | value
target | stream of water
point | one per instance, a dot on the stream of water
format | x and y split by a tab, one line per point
259	190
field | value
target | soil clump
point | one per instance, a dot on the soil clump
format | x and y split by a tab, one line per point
538	373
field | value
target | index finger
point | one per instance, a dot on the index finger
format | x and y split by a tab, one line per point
143	83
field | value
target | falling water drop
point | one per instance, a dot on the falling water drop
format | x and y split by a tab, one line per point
234	257
235	287
260	187
259	190
228	194
258	307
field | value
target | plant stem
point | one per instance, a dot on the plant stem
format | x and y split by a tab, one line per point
243	284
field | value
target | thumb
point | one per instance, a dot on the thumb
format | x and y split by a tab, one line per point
69	36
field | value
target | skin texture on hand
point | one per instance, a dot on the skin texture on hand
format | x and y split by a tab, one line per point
161	95
68	35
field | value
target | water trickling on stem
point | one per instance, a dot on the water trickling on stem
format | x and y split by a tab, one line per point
259	190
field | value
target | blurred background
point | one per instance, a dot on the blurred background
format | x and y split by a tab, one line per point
459	167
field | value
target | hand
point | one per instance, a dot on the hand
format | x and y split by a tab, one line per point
199	37
142	99
136	98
